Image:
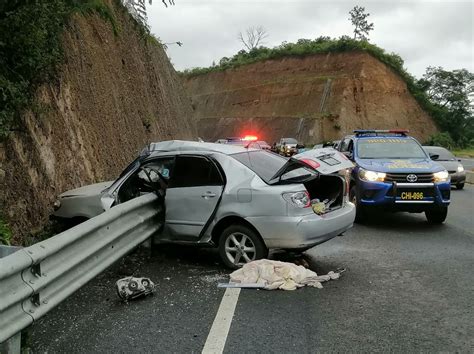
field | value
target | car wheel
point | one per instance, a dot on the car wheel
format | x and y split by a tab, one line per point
239	244
361	213
436	216
460	185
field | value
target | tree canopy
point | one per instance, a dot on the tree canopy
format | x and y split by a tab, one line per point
451	93
361	26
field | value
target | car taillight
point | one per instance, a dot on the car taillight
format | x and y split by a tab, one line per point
311	163
298	199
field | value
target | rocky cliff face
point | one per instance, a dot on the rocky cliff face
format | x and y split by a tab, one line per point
316	98
114	95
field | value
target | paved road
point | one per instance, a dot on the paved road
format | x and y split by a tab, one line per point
408	287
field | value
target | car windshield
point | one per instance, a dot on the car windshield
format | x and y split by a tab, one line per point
389	148
289	141
266	165
444	155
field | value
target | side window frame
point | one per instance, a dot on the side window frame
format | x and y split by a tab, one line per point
131	173
345	145
209	160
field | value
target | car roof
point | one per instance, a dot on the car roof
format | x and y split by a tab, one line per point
430	147
195	146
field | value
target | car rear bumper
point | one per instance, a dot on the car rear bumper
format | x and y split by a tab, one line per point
303	232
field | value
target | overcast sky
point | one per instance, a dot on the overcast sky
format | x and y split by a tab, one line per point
424	33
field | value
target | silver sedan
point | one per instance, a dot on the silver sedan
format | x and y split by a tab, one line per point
243	201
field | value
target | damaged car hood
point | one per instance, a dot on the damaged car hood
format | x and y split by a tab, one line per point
92	189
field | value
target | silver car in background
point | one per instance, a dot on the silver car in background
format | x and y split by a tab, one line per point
446	159
243	201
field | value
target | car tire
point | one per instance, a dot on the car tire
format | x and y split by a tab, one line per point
460	185
361	212
232	254
436	215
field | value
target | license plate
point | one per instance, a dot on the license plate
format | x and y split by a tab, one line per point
411	195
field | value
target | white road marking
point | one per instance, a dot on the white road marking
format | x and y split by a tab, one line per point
217	337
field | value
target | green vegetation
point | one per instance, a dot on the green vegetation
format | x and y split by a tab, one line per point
5	233
30	49
460	129
468	152
449	93
359	21
441	139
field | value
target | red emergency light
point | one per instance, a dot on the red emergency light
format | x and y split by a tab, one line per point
250	138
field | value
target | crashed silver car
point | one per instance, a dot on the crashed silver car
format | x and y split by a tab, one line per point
243	201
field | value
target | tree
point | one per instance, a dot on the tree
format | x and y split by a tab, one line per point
451	92
361	26
253	37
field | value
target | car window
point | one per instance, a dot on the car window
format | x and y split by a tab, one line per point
289	141
444	155
389	148
146	179
194	171
254	145
345	145
266	165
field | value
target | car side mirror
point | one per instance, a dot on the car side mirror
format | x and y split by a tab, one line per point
434	156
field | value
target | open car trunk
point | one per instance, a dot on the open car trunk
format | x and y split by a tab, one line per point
326	193
328	190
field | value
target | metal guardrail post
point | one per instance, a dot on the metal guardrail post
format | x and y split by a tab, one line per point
12	345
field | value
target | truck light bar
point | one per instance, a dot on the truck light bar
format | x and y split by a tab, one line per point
381	132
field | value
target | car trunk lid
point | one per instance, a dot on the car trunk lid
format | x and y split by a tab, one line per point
324	161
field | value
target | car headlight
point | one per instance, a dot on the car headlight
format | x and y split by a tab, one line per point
460	168
57	204
441	176
371	176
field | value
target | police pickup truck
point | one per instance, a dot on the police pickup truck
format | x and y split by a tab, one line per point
394	173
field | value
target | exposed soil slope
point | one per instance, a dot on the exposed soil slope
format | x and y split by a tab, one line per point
115	94
316	98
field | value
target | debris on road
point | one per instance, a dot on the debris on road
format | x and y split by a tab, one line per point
271	275
130	288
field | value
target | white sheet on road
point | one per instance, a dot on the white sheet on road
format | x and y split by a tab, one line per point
279	275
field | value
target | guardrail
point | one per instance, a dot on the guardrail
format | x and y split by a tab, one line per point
35	279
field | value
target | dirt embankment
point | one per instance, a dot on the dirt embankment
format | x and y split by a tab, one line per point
114	95
316	98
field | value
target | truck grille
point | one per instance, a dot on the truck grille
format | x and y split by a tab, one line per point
402	177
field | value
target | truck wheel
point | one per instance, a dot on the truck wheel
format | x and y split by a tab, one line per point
460	185
239	244
361	213
436	215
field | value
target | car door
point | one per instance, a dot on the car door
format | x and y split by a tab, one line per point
192	196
